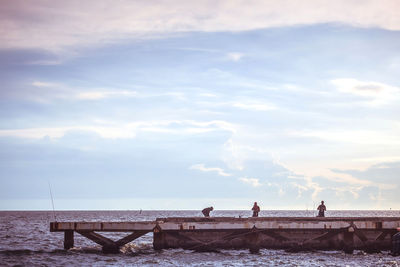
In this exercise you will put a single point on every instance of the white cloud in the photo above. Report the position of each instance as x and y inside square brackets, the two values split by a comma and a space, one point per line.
[202, 168]
[384, 159]
[232, 155]
[252, 181]
[37, 133]
[95, 95]
[44, 91]
[208, 95]
[378, 199]
[124, 130]
[278, 186]
[45, 62]
[300, 188]
[245, 104]
[44, 84]
[362, 137]
[377, 93]
[254, 106]
[61, 25]
[235, 56]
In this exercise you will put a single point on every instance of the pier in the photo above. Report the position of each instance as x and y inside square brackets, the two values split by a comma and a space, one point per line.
[371, 234]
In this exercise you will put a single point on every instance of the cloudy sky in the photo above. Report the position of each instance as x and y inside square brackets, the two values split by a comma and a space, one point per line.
[185, 104]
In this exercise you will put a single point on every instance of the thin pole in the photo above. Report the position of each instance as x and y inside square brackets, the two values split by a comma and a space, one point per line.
[313, 208]
[52, 203]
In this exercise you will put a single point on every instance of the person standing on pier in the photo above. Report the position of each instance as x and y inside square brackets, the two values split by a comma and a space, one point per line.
[321, 209]
[206, 211]
[255, 209]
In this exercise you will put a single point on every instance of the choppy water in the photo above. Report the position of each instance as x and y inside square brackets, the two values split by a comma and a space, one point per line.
[25, 240]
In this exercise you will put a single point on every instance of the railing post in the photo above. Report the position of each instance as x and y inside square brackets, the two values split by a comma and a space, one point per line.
[68, 239]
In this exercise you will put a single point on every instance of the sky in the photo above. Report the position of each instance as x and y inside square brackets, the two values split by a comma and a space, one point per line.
[186, 104]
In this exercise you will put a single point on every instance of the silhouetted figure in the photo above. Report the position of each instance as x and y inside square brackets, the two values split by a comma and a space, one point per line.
[206, 211]
[321, 209]
[255, 209]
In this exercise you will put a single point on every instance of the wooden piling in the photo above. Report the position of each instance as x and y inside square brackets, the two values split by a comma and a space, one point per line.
[68, 239]
[348, 238]
[252, 240]
[158, 238]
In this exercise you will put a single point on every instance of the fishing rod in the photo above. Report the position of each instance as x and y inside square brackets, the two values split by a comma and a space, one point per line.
[52, 202]
[313, 208]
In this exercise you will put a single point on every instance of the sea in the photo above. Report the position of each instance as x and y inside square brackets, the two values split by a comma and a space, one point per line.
[25, 240]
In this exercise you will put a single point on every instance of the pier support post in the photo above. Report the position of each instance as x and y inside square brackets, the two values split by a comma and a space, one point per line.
[348, 237]
[252, 240]
[158, 238]
[68, 239]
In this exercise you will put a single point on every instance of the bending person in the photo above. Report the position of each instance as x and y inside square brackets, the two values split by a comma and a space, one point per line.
[206, 211]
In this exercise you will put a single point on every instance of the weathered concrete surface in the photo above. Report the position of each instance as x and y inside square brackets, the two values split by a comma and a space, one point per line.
[187, 223]
[102, 226]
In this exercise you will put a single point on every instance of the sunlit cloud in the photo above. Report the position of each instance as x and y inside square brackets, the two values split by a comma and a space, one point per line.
[208, 95]
[38, 133]
[93, 95]
[232, 155]
[44, 84]
[300, 188]
[245, 104]
[254, 106]
[201, 167]
[111, 130]
[48, 91]
[366, 137]
[45, 62]
[251, 181]
[377, 198]
[378, 93]
[381, 159]
[235, 56]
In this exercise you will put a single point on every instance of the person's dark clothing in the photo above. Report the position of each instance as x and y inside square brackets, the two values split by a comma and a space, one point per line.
[206, 211]
[256, 210]
[321, 210]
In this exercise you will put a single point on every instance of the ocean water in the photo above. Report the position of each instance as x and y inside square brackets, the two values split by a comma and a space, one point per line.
[25, 240]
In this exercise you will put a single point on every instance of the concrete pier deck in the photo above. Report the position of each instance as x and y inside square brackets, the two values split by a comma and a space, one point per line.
[199, 233]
